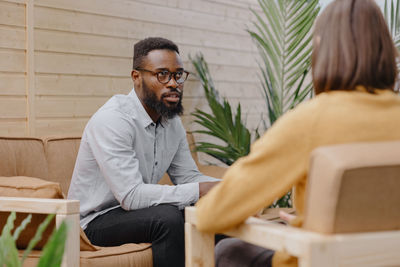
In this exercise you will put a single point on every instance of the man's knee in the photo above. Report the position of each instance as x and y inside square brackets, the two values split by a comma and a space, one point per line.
[171, 218]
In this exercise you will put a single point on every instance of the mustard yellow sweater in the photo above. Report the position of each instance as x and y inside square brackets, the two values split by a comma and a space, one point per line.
[280, 159]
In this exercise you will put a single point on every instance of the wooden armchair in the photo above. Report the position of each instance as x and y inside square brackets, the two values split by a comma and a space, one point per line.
[67, 210]
[352, 215]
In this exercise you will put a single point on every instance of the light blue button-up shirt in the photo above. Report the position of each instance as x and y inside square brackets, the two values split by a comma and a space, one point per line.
[122, 156]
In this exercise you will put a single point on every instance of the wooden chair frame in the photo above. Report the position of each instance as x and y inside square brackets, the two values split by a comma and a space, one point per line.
[65, 210]
[311, 248]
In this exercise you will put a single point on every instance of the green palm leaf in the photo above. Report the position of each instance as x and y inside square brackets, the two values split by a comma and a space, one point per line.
[392, 17]
[283, 37]
[227, 126]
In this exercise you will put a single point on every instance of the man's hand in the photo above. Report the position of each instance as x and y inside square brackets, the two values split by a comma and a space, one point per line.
[204, 187]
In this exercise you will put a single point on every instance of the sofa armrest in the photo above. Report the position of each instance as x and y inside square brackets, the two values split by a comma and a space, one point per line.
[65, 210]
[311, 248]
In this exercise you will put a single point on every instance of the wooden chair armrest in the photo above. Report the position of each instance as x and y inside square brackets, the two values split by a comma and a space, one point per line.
[65, 210]
[39, 205]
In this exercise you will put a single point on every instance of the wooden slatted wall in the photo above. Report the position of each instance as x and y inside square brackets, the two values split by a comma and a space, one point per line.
[60, 60]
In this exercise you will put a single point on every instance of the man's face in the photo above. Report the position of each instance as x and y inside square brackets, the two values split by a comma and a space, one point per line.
[164, 99]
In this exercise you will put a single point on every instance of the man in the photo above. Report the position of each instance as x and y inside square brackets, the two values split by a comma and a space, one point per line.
[126, 147]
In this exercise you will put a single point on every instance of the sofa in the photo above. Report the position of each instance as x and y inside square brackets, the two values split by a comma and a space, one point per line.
[41, 168]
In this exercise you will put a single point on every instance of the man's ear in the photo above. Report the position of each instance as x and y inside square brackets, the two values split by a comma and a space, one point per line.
[135, 75]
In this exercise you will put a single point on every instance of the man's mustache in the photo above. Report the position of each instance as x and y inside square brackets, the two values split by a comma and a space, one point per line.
[174, 92]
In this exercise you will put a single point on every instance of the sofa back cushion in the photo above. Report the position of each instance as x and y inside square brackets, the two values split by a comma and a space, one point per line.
[22, 157]
[61, 155]
[354, 188]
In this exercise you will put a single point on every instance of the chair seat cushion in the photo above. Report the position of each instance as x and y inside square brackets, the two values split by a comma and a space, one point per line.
[121, 256]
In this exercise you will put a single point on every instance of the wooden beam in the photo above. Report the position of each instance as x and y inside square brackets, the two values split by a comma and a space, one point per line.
[30, 71]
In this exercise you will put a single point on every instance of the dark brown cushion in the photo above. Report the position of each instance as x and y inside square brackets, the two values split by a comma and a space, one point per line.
[22, 186]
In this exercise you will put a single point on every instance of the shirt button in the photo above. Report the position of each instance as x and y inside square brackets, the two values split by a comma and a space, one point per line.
[152, 124]
[156, 163]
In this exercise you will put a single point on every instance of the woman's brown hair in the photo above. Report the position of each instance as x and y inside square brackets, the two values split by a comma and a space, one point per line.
[352, 47]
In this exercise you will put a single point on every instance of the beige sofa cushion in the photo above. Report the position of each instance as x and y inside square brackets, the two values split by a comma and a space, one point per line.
[61, 155]
[354, 188]
[22, 157]
[122, 256]
[21, 186]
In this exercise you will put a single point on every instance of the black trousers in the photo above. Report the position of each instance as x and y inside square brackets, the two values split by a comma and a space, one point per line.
[162, 225]
[233, 252]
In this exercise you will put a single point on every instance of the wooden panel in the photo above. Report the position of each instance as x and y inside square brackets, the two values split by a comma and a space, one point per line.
[72, 42]
[229, 10]
[12, 128]
[12, 60]
[12, 37]
[30, 66]
[237, 3]
[12, 84]
[190, 104]
[84, 48]
[69, 107]
[249, 105]
[81, 64]
[148, 12]
[51, 127]
[12, 14]
[233, 73]
[95, 65]
[15, 1]
[64, 20]
[73, 85]
[12, 107]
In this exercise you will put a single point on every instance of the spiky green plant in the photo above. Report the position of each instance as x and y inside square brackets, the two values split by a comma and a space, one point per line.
[283, 37]
[222, 123]
[392, 17]
[52, 253]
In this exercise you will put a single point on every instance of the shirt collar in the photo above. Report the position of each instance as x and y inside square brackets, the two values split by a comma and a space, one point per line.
[143, 116]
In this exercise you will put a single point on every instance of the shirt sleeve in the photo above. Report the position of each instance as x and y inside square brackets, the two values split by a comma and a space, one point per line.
[110, 137]
[183, 169]
[277, 161]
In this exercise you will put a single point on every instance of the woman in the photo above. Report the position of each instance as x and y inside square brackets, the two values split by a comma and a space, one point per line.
[354, 74]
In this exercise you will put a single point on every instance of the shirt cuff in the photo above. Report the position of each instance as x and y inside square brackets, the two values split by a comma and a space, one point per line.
[192, 192]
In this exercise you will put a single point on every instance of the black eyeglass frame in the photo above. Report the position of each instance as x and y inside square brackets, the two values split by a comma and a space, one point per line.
[157, 73]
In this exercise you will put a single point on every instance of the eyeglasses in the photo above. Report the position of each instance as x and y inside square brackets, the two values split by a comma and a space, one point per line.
[165, 76]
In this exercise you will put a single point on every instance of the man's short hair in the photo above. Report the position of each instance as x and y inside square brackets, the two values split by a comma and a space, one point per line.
[143, 47]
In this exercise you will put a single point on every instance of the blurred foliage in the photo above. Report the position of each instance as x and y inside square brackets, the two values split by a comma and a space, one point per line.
[52, 252]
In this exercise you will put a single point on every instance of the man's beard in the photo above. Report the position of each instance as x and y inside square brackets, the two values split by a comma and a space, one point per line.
[151, 101]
